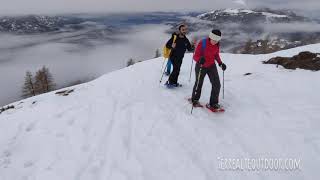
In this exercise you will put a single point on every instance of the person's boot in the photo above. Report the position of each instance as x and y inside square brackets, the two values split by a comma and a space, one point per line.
[194, 103]
[215, 108]
[177, 85]
[169, 85]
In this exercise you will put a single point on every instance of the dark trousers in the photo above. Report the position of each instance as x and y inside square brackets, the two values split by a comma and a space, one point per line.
[176, 62]
[212, 72]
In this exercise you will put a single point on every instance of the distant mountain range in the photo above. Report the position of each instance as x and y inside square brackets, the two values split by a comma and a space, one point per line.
[38, 24]
[277, 29]
[82, 29]
[244, 30]
[251, 16]
[34, 24]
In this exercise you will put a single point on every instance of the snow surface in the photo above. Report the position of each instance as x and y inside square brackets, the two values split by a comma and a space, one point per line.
[124, 126]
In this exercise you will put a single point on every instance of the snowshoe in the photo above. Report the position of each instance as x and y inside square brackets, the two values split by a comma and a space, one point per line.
[177, 85]
[215, 108]
[170, 86]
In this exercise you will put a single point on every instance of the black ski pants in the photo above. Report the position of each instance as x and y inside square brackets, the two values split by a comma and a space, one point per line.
[176, 62]
[212, 72]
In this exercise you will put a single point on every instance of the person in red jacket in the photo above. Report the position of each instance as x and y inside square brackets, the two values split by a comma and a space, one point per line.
[206, 58]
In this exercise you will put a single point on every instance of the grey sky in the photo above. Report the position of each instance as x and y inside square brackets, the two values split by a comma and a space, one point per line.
[304, 5]
[75, 6]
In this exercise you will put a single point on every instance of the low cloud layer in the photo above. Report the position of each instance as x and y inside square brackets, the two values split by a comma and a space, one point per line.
[69, 62]
[291, 27]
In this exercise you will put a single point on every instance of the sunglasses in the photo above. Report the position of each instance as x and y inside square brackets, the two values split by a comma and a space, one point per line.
[184, 29]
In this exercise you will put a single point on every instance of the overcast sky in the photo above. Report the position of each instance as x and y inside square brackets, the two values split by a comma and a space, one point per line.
[78, 6]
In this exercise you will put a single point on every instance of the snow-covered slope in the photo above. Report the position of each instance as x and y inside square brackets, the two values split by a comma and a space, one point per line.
[125, 126]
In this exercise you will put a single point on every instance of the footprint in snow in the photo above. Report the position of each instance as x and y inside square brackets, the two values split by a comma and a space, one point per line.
[30, 127]
[59, 135]
[28, 164]
[6, 153]
[5, 159]
[70, 122]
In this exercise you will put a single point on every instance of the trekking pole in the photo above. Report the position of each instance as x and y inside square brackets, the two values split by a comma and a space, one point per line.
[223, 85]
[164, 60]
[196, 90]
[163, 73]
[191, 69]
[191, 65]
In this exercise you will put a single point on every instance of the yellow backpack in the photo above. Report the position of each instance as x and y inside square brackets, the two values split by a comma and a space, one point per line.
[167, 51]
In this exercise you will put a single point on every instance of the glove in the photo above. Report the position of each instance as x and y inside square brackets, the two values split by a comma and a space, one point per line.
[223, 66]
[202, 60]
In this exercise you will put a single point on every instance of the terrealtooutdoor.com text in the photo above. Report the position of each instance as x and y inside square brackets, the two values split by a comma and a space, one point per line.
[259, 164]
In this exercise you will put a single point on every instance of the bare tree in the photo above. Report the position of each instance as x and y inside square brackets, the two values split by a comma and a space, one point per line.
[158, 54]
[44, 81]
[130, 62]
[29, 86]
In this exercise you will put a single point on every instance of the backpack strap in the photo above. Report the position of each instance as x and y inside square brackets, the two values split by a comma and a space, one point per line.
[204, 44]
[174, 38]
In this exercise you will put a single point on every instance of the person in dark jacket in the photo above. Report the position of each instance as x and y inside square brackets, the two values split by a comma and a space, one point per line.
[178, 49]
[206, 59]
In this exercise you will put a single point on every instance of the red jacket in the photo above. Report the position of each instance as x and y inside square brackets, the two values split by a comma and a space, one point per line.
[211, 53]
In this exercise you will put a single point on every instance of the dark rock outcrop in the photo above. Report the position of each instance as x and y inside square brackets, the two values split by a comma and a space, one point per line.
[3, 109]
[304, 60]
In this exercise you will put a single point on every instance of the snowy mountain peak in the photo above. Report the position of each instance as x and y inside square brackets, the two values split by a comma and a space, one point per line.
[237, 11]
[240, 11]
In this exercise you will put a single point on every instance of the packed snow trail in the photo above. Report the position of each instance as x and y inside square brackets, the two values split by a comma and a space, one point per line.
[125, 126]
